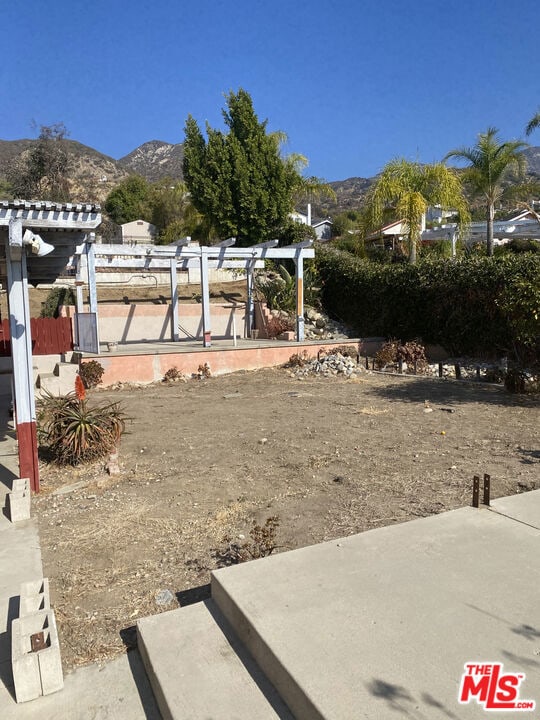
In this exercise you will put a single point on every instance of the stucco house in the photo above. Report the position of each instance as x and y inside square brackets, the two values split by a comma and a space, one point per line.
[138, 232]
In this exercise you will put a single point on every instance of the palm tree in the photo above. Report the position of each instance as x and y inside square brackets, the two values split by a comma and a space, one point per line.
[491, 162]
[410, 188]
[533, 124]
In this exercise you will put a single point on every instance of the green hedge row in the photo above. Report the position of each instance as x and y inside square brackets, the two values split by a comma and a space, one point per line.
[458, 304]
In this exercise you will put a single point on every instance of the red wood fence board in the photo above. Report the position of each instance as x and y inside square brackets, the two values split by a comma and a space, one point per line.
[50, 336]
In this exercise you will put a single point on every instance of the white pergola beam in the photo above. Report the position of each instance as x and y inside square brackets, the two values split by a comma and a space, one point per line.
[165, 264]
[50, 216]
[212, 252]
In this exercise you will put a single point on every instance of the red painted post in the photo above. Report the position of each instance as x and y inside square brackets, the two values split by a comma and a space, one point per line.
[21, 352]
[28, 454]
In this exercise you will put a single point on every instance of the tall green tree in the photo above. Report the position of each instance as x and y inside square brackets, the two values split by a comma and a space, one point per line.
[129, 200]
[410, 188]
[534, 123]
[491, 163]
[42, 172]
[172, 211]
[238, 179]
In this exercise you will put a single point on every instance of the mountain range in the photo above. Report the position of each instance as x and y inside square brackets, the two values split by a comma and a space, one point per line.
[93, 175]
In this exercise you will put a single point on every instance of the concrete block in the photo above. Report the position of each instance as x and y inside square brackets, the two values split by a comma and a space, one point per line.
[37, 672]
[21, 485]
[66, 371]
[34, 596]
[18, 505]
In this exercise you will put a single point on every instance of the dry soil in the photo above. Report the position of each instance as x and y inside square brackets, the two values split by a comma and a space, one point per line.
[204, 459]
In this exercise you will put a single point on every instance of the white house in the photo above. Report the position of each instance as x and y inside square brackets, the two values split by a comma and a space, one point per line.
[323, 228]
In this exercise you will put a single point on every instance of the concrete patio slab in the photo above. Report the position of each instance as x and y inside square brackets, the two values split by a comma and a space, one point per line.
[380, 625]
[523, 508]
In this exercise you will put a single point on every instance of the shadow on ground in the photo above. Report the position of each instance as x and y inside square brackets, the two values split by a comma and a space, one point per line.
[449, 392]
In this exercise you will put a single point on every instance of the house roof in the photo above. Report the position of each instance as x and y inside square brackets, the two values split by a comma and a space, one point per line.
[397, 225]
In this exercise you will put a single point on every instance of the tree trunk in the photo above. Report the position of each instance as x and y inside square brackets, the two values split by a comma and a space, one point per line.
[489, 236]
[412, 249]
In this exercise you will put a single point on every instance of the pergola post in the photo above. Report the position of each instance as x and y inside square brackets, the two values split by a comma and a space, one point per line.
[21, 353]
[79, 282]
[250, 303]
[174, 302]
[205, 299]
[92, 289]
[299, 262]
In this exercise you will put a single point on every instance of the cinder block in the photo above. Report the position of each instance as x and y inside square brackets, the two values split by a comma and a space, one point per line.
[36, 672]
[21, 485]
[18, 505]
[35, 596]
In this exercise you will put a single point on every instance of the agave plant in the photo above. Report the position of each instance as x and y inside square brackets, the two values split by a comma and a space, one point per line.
[76, 432]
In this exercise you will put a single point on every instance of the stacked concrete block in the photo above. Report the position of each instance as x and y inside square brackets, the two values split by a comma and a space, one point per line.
[35, 649]
[34, 597]
[18, 500]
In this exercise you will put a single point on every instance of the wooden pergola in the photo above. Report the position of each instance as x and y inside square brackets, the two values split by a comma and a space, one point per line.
[29, 231]
[90, 256]
[39, 240]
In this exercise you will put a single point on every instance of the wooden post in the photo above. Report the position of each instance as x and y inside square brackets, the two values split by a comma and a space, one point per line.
[205, 299]
[299, 262]
[174, 302]
[21, 353]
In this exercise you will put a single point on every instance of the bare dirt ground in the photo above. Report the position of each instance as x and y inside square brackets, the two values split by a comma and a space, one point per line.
[205, 458]
[219, 292]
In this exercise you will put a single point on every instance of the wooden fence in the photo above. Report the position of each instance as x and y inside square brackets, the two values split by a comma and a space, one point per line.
[50, 336]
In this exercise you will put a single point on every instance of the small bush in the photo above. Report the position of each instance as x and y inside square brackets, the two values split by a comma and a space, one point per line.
[203, 372]
[57, 296]
[387, 355]
[262, 543]
[346, 351]
[76, 433]
[412, 353]
[277, 325]
[173, 375]
[298, 360]
[91, 373]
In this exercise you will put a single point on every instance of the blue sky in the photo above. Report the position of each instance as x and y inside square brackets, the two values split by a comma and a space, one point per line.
[353, 84]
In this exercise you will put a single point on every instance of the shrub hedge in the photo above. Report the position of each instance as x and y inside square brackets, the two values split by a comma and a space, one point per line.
[460, 304]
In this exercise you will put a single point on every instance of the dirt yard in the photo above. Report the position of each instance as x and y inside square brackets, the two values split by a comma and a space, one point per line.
[142, 294]
[203, 459]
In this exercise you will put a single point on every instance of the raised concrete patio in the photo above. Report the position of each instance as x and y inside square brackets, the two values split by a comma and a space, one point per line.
[148, 362]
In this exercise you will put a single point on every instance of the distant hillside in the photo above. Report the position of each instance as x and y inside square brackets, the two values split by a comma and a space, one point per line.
[93, 175]
[533, 160]
[350, 195]
[155, 160]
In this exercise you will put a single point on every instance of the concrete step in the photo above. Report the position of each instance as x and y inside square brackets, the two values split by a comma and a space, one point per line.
[66, 371]
[59, 382]
[198, 669]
